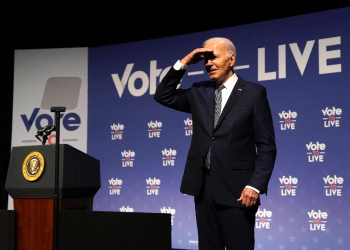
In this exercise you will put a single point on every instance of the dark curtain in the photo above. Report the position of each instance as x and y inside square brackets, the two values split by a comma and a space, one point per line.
[6, 96]
[6, 99]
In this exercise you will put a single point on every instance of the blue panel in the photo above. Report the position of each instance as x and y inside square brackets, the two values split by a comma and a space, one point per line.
[303, 62]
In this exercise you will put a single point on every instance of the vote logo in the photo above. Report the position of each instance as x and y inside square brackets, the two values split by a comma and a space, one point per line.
[169, 156]
[331, 117]
[333, 185]
[117, 131]
[38, 120]
[287, 120]
[315, 151]
[154, 128]
[126, 209]
[317, 220]
[188, 127]
[153, 186]
[128, 158]
[114, 186]
[263, 219]
[288, 186]
[148, 79]
[169, 210]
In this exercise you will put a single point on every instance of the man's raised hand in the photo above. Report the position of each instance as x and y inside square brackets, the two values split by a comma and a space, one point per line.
[195, 56]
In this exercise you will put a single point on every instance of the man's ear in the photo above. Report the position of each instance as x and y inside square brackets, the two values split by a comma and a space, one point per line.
[233, 60]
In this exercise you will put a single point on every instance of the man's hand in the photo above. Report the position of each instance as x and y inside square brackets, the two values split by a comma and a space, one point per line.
[248, 197]
[195, 56]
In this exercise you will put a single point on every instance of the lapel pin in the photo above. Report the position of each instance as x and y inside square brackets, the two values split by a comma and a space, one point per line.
[240, 89]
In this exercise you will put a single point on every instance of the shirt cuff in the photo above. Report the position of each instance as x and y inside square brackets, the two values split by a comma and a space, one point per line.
[256, 190]
[178, 65]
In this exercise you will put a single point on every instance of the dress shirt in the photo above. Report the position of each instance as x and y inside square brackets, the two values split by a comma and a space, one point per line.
[227, 90]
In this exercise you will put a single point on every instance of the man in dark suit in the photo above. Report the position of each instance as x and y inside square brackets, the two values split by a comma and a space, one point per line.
[233, 150]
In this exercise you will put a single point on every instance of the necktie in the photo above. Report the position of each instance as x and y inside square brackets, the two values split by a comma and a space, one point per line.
[218, 100]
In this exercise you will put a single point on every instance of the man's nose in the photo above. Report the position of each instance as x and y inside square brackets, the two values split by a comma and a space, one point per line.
[208, 62]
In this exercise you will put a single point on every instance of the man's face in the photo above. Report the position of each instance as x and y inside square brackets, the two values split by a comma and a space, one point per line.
[217, 64]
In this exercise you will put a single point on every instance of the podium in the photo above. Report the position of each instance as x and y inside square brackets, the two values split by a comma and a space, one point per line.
[30, 182]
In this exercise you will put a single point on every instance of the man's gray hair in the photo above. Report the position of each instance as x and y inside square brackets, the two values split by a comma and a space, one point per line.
[230, 47]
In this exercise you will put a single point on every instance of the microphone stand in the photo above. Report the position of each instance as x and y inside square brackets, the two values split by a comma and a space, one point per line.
[57, 110]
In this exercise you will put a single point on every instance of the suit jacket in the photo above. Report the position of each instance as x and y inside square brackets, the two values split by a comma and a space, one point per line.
[243, 148]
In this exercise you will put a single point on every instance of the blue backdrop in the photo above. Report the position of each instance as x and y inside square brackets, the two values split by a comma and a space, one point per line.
[303, 62]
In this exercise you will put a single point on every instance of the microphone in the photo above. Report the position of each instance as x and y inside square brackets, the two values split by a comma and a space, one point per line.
[45, 131]
[49, 129]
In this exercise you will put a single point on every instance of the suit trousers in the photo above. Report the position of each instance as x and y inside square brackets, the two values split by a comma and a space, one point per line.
[221, 226]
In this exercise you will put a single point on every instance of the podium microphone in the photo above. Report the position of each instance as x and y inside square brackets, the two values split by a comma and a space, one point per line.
[49, 129]
[45, 131]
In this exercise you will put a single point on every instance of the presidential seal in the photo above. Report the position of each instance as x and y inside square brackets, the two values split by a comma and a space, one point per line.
[33, 166]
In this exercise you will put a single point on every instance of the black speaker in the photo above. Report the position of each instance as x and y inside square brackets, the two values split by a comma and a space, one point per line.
[83, 230]
[7, 229]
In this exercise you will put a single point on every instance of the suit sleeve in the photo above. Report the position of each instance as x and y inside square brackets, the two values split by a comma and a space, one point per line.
[265, 143]
[167, 94]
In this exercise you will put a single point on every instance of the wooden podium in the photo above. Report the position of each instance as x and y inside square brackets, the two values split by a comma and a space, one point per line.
[79, 180]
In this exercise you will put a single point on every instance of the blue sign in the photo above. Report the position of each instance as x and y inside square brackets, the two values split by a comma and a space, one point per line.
[303, 62]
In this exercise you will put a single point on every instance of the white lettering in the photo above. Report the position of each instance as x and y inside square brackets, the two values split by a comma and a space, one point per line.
[127, 164]
[128, 153]
[115, 181]
[315, 158]
[117, 126]
[282, 61]
[285, 126]
[126, 209]
[333, 111]
[114, 191]
[317, 215]
[117, 136]
[260, 224]
[169, 210]
[120, 84]
[168, 163]
[154, 73]
[146, 82]
[153, 134]
[317, 146]
[188, 122]
[302, 58]
[333, 180]
[131, 83]
[328, 124]
[288, 180]
[262, 74]
[153, 181]
[152, 192]
[263, 213]
[155, 124]
[333, 192]
[288, 115]
[169, 152]
[188, 132]
[321, 227]
[325, 54]
[285, 192]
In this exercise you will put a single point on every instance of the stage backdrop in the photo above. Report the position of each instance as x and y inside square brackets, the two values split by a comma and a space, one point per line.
[303, 62]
